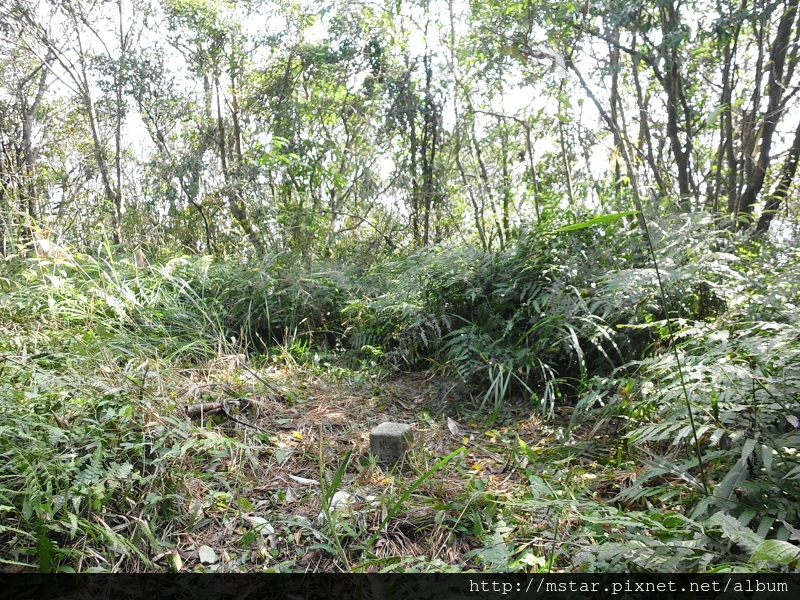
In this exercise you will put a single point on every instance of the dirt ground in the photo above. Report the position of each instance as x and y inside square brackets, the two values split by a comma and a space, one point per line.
[271, 516]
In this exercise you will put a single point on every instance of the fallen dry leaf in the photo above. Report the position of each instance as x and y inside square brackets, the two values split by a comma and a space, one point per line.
[207, 555]
[452, 426]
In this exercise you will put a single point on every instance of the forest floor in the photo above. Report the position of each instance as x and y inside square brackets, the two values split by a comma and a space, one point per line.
[292, 466]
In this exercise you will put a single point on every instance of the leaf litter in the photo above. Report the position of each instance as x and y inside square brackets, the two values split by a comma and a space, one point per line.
[314, 421]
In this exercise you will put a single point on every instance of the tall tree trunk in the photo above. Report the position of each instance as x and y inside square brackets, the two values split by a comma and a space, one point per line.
[673, 86]
[118, 118]
[429, 140]
[484, 175]
[410, 121]
[506, 179]
[532, 169]
[476, 208]
[645, 141]
[788, 171]
[113, 196]
[615, 103]
[725, 183]
[775, 91]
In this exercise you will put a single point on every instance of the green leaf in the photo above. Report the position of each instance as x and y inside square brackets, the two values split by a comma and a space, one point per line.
[712, 117]
[45, 551]
[776, 551]
[767, 457]
[495, 553]
[595, 221]
[322, 546]
[733, 530]
[249, 537]
[747, 449]
[327, 493]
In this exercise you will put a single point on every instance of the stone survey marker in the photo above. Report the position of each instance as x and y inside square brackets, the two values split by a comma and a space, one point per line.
[389, 441]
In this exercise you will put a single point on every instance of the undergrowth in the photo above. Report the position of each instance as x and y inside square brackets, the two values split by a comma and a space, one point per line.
[101, 470]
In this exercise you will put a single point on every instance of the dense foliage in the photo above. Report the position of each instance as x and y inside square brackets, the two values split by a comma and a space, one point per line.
[351, 130]
[559, 238]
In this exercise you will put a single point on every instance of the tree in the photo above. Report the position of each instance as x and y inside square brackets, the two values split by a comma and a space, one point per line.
[213, 44]
[28, 79]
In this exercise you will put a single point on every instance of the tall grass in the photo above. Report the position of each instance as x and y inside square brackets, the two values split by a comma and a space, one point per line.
[90, 456]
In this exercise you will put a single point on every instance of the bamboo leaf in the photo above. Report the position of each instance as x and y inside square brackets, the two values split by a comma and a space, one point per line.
[602, 219]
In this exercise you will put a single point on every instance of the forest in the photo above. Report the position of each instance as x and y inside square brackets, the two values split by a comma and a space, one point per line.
[558, 239]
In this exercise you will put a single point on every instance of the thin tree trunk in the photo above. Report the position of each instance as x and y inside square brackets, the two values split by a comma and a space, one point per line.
[506, 218]
[112, 195]
[411, 123]
[614, 99]
[637, 201]
[235, 203]
[726, 159]
[484, 174]
[563, 144]
[532, 170]
[28, 151]
[645, 135]
[119, 115]
[429, 141]
[478, 210]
